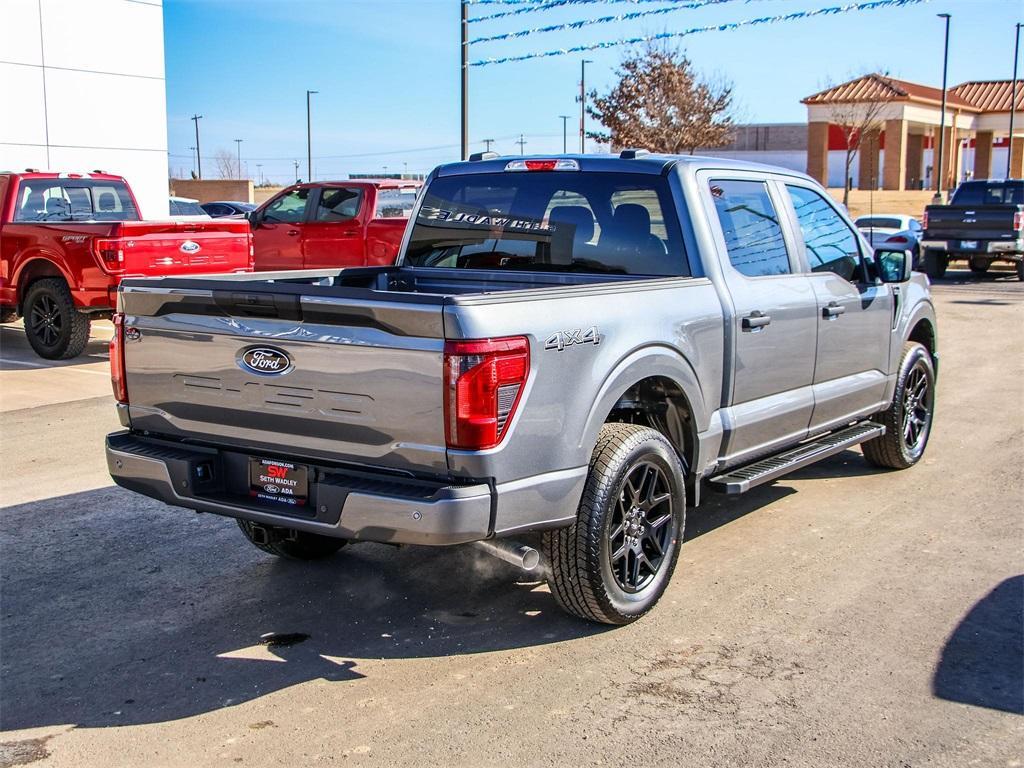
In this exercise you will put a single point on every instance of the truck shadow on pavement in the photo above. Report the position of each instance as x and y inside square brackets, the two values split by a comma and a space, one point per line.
[17, 355]
[119, 610]
[981, 663]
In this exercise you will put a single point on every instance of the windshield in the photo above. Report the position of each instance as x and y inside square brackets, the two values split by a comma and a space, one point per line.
[395, 203]
[879, 223]
[989, 193]
[549, 221]
[74, 200]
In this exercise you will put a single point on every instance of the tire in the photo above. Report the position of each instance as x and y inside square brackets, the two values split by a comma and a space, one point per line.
[980, 267]
[55, 329]
[8, 314]
[935, 264]
[298, 546]
[1020, 270]
[902, 445]
[634, 472]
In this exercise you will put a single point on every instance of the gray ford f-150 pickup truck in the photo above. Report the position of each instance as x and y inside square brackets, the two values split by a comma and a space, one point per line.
[567, 351]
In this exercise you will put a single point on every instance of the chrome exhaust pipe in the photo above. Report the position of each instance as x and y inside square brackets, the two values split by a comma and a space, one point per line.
[512, 552]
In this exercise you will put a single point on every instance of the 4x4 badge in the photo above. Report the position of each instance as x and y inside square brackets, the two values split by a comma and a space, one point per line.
[559, 340]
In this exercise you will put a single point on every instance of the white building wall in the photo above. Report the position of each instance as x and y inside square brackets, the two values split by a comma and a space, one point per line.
[84, 84]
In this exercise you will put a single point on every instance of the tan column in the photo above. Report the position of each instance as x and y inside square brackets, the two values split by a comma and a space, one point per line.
[915, 158]
[894, 174]
[956, 160]
[817, 152]
[1017, 157]
[983, 154]
[869, 172]
[946, 154]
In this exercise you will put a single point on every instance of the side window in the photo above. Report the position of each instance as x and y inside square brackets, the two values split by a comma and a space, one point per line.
[831, 245]
[338, 204]
[753, 236]
[290, 208]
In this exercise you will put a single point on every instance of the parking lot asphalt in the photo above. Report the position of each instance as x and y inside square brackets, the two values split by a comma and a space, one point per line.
[840, 616]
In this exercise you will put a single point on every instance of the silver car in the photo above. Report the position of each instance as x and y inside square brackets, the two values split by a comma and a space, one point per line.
[892, 230]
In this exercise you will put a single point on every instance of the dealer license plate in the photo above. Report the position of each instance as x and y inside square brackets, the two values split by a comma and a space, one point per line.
[968, 245]
[278, 481]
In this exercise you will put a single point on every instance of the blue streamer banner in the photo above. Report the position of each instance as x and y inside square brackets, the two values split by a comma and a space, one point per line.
[529, 6]
[600, 20]
[830, 11]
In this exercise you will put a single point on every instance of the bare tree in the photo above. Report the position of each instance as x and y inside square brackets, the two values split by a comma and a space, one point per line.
[855, 119]
[227, 165]
[660, 103]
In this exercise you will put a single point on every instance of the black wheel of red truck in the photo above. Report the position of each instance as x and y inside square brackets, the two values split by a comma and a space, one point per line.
[935, 264]
[614, 563]
[980, 266]
[291, 545]
[55, 329]
[908, 419]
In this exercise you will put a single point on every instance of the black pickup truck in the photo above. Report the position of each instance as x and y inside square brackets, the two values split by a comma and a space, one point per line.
[983, 223]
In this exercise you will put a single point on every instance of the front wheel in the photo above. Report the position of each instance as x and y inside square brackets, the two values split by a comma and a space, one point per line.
[1020, 270]
[615, 561]
[908, 419]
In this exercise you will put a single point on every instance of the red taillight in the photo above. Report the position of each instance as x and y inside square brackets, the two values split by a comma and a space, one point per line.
[118, 380]
[111, 252]
[1018, 221]
[483, 381]
[897, 239]
[924, 221]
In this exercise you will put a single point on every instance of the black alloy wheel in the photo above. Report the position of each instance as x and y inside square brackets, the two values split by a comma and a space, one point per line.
[641, 527]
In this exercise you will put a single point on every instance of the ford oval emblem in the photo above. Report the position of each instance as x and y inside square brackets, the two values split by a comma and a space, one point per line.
[266, 361]
[189, 246]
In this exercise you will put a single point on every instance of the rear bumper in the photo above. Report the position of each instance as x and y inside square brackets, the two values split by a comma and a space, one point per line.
[994, 248]
[344, 504]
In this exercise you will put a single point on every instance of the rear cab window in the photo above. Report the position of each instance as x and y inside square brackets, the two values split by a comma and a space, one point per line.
[556, 221]
[989, 193]
[395, 203]
[56, 200]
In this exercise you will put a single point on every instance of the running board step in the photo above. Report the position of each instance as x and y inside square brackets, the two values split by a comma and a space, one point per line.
[744, 478]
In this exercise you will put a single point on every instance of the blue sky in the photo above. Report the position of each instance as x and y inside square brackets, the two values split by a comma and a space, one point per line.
[388, 71]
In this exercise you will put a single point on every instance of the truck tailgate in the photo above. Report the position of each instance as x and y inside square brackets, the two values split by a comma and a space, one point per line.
[964, 222]
[185, 247]
[334, 379]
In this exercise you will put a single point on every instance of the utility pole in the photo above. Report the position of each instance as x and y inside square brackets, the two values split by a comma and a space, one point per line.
[939, 196]
[405, 169]
[296, 162]
[565, 133]
[1013, 99]
[199, 159]
[521, 143]
[488, 142]
[309, 138]
[192, 151]
[583, 103]
[238, 143]
[464, 49]
[259, 171]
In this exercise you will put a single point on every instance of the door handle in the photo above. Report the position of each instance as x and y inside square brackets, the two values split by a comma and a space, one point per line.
[832, 311]
[293, 232]
[755, 320]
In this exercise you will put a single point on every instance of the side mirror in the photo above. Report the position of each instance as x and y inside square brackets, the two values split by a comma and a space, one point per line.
[893, 266]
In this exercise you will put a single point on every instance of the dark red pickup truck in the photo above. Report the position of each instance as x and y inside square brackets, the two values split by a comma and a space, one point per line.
[333, 224]
[67, 241]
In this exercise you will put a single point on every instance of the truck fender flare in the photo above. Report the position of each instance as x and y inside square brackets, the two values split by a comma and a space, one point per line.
[29, 261]
[643, 363]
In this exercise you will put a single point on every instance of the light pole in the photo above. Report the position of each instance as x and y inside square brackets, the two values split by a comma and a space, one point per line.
[238, 144]
[939, 196]
[192, 150]
[259, 172]
[583, 103]
[488, 142]
[296, 162]
[199, 159]
[565, 133]
[1013, 98]
[464, 51]
[309, 138]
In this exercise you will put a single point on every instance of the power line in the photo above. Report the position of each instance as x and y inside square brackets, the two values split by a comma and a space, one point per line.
[832, 10]
[632, 15]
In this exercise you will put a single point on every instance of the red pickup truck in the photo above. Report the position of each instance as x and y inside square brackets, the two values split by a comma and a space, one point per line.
[333, 224]
[67, 240]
